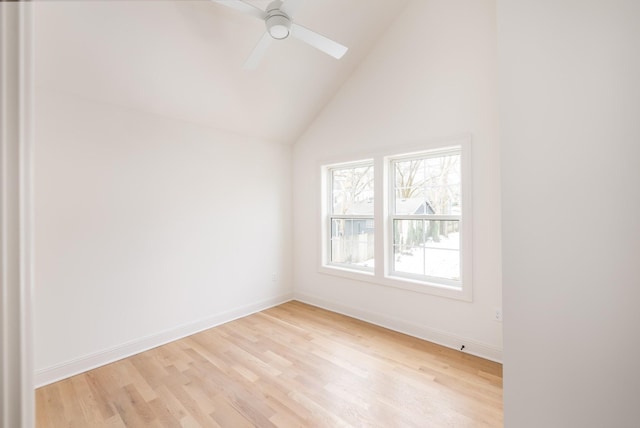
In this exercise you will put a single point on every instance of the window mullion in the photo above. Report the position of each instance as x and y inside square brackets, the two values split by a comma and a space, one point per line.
[351, 216]
[380, 201]
[426, 217]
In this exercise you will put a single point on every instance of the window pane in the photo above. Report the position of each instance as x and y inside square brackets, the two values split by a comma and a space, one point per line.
[352, 242]
[352, 190]
[430, 185]
[427, 247]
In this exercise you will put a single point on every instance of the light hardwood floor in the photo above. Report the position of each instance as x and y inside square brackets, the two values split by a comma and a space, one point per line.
[294, 365]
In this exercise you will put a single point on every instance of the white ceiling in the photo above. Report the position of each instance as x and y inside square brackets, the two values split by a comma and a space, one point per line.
[183, 59]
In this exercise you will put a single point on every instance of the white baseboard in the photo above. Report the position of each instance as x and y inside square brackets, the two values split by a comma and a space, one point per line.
[82, 364]
[439, 337]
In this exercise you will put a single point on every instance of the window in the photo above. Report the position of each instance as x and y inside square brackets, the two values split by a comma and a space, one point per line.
[350, 219]
[401, 219]
[425, 215]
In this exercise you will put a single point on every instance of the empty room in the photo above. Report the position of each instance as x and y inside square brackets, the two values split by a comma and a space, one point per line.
[319, 213]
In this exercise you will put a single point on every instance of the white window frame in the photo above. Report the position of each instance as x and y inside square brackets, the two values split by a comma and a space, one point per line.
[329, 216]
[382, 273]
[392, 217]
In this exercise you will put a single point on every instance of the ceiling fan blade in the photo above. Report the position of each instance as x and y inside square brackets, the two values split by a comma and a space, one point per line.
[258, 52]
[244, 7]
[291, 6]
[318, 41]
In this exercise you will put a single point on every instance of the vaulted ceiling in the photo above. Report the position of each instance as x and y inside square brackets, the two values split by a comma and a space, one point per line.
[183, 59]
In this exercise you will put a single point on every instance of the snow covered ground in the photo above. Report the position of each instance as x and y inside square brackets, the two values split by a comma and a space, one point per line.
[437, 259]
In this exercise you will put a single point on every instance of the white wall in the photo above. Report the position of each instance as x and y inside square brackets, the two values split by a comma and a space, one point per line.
[432, 75]
[149, 228]
[570, 109]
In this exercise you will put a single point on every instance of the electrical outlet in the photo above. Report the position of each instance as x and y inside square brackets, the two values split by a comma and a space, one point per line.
[273, 277]
[497, 315]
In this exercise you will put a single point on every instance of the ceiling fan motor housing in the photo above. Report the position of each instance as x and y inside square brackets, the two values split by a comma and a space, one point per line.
[278, 23]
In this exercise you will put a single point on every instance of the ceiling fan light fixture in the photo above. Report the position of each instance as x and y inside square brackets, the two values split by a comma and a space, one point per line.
[278, 26]
[276, 18]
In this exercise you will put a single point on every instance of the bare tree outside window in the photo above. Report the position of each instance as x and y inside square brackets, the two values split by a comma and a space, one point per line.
[353, 190]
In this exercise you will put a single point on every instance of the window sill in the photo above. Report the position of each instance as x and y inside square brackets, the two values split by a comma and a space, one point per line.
[345, 272]
[406, 284]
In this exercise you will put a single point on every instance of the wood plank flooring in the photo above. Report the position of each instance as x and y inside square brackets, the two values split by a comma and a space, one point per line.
[294, 365]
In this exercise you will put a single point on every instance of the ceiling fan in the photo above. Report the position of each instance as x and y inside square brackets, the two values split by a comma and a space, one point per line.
[277, 19]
